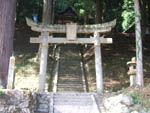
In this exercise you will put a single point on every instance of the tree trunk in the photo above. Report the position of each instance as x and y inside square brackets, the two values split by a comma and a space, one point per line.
[106, 6]
[85, 19]
[47, 11]
[98, 11]
[148, 12]
[53, 10]
[7, 21]
[46, 19]
[139, 56]
[143, 12]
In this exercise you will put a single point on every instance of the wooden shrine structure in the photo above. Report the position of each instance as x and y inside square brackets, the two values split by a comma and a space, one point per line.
[68, 15]
[71, 31]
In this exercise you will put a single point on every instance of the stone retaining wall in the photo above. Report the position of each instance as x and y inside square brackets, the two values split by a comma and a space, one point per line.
[43, 100]
[17, 101]
[14, 101]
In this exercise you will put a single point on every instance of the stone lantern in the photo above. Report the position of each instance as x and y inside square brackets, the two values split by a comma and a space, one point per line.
[132, 71]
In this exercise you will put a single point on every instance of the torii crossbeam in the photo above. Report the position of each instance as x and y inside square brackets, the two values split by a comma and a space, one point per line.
[71, 31]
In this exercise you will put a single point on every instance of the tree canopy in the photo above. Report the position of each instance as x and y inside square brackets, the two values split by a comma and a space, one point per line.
[122, 10]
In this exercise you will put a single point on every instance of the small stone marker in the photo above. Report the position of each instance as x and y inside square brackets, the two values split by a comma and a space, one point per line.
[10, 83]
[132, 71]
[71, 31]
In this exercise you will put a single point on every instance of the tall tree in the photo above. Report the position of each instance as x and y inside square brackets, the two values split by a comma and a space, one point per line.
[47, 11]
[143, 17]
[98, 11]
[46, 18]
[139, 55]
[148, 12]
[7, 21]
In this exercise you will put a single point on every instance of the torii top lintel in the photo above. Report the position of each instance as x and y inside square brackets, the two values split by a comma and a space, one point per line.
[85, 29]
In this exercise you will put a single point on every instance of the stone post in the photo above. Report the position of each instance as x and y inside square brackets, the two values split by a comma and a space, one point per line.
[98, 63]
[132, 71]
[10, 82]
[43, 61]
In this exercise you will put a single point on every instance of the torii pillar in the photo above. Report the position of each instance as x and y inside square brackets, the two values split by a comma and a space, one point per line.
[43, 61]
[98, 60]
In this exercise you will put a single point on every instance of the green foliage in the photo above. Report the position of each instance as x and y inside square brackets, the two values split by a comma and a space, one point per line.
[63, 4]
[81, 7]
[1, 92]
[136, 98]
[128, 14]
[27, 8]
[87, 5]
[123, 11]
[112, 9]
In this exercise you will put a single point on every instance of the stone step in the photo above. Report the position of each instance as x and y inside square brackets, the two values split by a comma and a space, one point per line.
[70, 54]
[73, 103]
[69, 85]
[72, 82]
[70, 46]
[74, 109]
[68, 59]
[70, 76]
[70, 89]
[81, 97]
[66, 94]
[70, 68]
[72, 99]
[69, 72]
[65, 78]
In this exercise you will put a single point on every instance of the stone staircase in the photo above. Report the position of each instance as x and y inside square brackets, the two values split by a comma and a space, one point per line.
[66, 102]
[70, 95]
[74, 103]
[70, 74]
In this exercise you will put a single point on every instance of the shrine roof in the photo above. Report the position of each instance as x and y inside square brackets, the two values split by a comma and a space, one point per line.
[68, 12]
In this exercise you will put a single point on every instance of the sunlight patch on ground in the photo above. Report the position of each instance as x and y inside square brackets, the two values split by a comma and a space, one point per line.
[31, 82]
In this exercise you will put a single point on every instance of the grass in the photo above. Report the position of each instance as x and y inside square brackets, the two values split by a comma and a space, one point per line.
[140, 95]
[1, 92]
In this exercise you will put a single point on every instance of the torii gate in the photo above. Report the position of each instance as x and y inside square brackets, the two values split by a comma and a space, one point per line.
[71, 31]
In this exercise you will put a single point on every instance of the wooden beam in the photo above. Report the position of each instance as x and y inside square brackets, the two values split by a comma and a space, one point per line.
[106, 40]
[35, 40]
[59, 40]
[65, 41]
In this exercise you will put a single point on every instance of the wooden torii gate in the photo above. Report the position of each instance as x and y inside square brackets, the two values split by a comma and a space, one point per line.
[71, 31]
